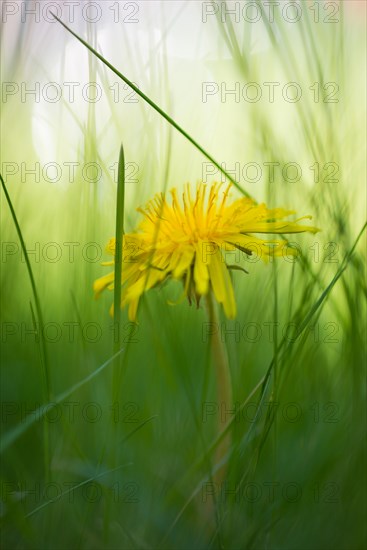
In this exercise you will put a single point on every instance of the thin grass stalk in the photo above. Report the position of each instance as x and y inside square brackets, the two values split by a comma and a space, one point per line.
[117, 366]
[41, 341]
[120, 207]
[156, 108]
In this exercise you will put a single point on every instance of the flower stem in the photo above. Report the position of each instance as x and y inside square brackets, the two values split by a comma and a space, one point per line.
[224, 386]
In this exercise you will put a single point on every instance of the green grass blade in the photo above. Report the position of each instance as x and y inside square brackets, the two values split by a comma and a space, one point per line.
[130, 434]
[41, 340]
[72, 489]
[120, 207]
[156, 108]
[11, 436]
[43, 353]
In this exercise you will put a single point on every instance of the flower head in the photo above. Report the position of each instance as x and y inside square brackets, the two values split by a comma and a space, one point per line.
[188, 239]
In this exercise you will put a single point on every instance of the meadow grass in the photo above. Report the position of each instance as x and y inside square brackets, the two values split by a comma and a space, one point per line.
[120, 449]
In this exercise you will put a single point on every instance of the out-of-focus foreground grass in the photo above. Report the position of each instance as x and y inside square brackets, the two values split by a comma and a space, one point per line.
[92, 471]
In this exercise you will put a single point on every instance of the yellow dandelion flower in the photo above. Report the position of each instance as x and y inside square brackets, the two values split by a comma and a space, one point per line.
[188, 240]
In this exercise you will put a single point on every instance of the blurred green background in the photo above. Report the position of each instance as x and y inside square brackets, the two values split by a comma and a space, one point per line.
[131, 466]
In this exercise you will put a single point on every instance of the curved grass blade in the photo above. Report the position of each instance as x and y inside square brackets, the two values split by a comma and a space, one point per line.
[41, 341]
[86, 481]
[139, 427]
[16, 432]
[120, 208]
[156, 108]
[43, 354]
[72, 489]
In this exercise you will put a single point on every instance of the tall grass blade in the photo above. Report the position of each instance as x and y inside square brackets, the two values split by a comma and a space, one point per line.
[156, 108]
[42, 343]
[120, 207]
[37, 318]
[11, 436]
